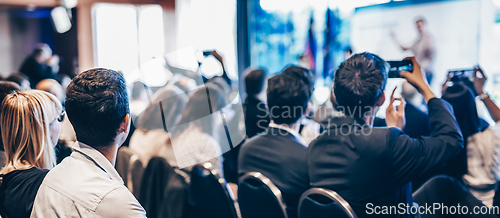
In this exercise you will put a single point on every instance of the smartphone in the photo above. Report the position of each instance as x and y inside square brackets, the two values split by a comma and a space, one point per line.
[464, 75]
[461, 75]
[207, 53]
[396, 67]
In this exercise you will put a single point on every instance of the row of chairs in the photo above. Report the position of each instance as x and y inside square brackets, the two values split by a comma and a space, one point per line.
[259, 197]
[209, 195]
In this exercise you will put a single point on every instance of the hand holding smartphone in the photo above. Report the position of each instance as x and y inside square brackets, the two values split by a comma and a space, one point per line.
[396, 67]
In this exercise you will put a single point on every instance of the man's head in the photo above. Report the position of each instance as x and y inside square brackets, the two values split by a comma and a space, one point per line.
[42, 52]
[21, 79]
[303, 74]
[53, 87]
[287, 98]
[420, 24]
[255, 81]
[97, 106]
[359, 84]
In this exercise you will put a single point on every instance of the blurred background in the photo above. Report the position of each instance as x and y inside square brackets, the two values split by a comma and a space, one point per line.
[152, 40]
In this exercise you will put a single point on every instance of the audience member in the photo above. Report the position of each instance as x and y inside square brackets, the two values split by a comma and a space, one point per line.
[41, 64]
[280, 152]
[21, 79]
[53, 87]
[86, 184]
[479, 163]
[6, 87]
[151, 138]
[193, 138]
[30, 128]
[68, 135]
[256, 115]
[375, 166]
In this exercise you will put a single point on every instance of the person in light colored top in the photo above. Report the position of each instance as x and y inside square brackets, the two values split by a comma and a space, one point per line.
[86, 184]
[194, 136]
[482, 143]
[424, 48]
[151, 138]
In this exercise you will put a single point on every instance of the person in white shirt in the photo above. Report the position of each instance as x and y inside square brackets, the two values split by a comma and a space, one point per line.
[423, 49]
[86, 184]
[482, 143]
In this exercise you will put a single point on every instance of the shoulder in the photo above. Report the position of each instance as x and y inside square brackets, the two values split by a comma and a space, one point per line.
[79, 181]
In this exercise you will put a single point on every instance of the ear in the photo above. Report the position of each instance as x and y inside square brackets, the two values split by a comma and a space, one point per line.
[125, 125]
[380, 100]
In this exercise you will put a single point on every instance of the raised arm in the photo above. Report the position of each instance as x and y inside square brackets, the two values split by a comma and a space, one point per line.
[414, 157]
[479, 82]
[393, 36]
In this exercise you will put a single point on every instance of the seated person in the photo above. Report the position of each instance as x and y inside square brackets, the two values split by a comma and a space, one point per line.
[86, 184]
[479, 163]
[193, 138]
[30, 127]
[367, 165]
[6, 88]
[21, 79]
[256, 116]
[280, 152]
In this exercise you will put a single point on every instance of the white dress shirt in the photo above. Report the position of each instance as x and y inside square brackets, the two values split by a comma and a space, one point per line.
[85, 185]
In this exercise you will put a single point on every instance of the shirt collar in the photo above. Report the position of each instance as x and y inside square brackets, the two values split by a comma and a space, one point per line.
[291, 131]
[98, 159]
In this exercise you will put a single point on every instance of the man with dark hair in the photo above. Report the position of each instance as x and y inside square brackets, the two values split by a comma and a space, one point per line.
[86, 184]
[41, 64]
[373, 167]
[21, 79]
[279, 153]
[256, 116]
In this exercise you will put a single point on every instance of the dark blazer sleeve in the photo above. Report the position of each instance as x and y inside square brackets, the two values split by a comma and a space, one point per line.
[414, 157]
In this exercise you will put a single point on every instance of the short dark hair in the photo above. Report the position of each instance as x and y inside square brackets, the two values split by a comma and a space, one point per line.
[255, 80]
[18, 78]
[359, 82]
[96, 104]
[6, 87]
[302, 74]
[287, 98]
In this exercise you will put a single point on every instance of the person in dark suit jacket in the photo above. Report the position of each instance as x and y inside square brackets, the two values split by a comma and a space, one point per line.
[40, 65]
[372, 167]
[256, 115]
[280, 153]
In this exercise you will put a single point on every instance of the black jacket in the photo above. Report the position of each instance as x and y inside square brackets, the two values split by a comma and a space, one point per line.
[279, 156]
[18, 191]
[163, 193]
[375, 165]
[36, 71]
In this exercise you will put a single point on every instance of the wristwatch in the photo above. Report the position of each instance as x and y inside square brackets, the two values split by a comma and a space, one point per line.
[483, 96]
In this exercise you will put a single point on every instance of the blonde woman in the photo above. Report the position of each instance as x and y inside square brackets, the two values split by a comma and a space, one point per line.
[30, 128]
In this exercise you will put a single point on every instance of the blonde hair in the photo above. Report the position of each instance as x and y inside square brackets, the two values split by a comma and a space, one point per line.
[25, 118]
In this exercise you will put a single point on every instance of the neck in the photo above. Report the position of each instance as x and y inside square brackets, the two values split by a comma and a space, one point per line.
[110, 153]
[294, 126]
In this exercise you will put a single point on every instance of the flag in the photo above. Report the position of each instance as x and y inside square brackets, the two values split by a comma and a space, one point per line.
[331, 45]
[310, 50]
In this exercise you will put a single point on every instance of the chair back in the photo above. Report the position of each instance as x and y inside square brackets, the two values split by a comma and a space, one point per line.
[122, 162]
[134, 175]
[258, 197]
[319, 203]
[209, 193]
